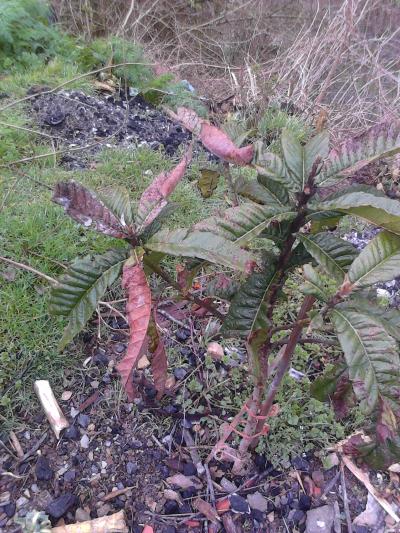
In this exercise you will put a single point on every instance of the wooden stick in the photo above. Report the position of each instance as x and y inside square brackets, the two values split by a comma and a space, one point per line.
[52, 410]
[345, 500]
[114, 523]
[16, 444]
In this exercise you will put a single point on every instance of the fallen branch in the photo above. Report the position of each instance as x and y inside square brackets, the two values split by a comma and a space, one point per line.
[114, 523]
[29, 269]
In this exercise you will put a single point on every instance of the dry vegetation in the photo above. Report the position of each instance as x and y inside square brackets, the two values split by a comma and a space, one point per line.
[335, 56]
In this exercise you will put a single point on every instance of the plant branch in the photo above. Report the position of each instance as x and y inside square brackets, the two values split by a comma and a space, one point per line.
[166, 277]
[29, 269]
[306, 340]
[286, 358]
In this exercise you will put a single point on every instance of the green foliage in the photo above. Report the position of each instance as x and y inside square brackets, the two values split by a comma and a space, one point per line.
[114, 51]
[275, 120]
[26, 33]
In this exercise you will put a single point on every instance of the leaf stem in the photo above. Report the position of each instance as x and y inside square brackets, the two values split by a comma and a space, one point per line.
[166, 277]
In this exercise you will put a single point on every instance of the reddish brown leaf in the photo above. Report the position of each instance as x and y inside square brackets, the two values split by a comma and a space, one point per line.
[153, 199]
[206, 509]
[222, 146]
[386, 426]
[138, 311]
[343, 398]
[214, 139]
[84, 207]
[223, 505]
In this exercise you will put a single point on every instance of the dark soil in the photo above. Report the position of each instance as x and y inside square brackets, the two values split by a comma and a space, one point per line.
[77, 120]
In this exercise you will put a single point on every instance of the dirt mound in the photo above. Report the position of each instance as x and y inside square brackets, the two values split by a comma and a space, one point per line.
[77, 120]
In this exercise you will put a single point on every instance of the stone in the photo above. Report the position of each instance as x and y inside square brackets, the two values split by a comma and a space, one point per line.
[85, 442]
[239, 504]
[69, 476]
[21, 502]
[81, 515]
[320, 520]
[43, 470]
[119, 347]
[180, 373]
[103, 510]
[10, 509]
[83, 420]
[72, 433]
[304, 502]
[296, 516]
[100, 357]
[215, 351]
[258, 501]
[171, 507]
[131, 468]
[372, 516]
[182, 334]
[299, 463]
[189, 469]
[61, 505]
[227, 485]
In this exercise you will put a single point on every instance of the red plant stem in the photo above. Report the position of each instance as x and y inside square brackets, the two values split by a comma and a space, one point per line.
[284, 363]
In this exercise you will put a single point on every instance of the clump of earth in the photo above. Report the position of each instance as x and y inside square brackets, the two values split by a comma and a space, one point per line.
[84, 124]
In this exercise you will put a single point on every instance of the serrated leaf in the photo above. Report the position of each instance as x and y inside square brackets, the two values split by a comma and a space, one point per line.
[331, 253]
[222, 286]
[314, 284]
[237, 131]
[378, 210]
[158, 222]
[208, 181]
[243, 223]
[382, 140]
[379, 261]
[247, 311]
[87, 208]
[154, 198]
[138, 310]
[201, 245]
[81, 287]
[371, 356]
[277, 231]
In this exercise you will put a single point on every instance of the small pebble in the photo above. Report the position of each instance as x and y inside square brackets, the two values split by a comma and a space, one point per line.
[83, 420]
[9, 509]
[180, 373]
[304, 502]
[171, 507]
[85, 442]
[34, 488]
[69, 476]
[21, 502]
[189, 469]
[182, 334]
[72, 433]
[81, 515]
[239, 504]
[43, 470]
[131, 468]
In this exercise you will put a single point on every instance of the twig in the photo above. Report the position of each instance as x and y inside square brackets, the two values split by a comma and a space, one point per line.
[34, 448]
[345, 500]
[29, 269]
[170, 317]
[7, 450]
[193, 452]
[210, 485]
[16, 444]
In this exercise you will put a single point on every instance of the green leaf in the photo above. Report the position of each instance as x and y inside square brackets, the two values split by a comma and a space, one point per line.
[293, 154]
[81, 287]
[316, 147]
[331, 253]
[208, 181]
[269, 164]
[243, 223]
[323, 221]
[382, 140]
[118, 202]
[247, 311]
[202, 245]
[371, 356]
[388, 318]
[379, 261]
[237, 131]
[378, 210]
[324, 386]
[276, 189]
[263, 191]
[277, 231]
[314, 284]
